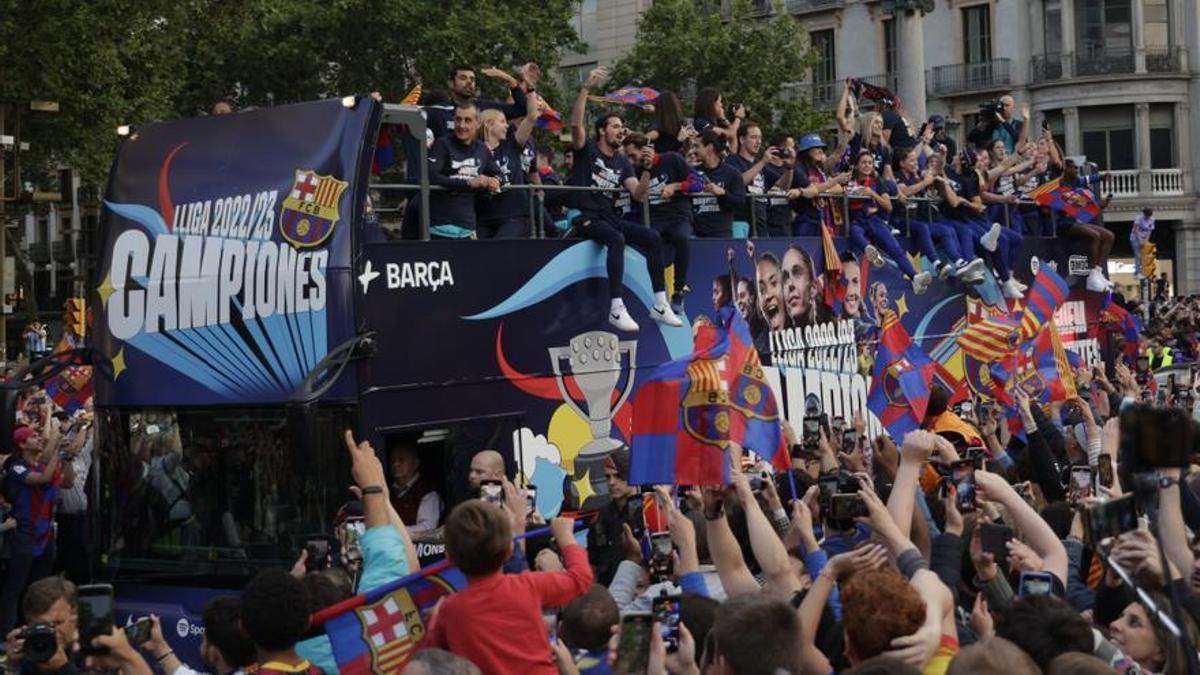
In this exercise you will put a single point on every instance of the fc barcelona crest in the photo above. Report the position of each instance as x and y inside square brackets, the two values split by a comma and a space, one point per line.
[310, 210]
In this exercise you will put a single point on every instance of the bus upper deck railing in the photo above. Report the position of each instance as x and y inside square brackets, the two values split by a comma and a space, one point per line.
[537, 209]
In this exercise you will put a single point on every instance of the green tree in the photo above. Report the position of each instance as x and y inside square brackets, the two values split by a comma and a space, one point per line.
[683, 45]
[112, 62]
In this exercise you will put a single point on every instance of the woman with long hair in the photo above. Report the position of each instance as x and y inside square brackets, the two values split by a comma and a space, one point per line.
[668, 132]
[924, 221]
[869, 230]
[810, 182]
[710, 114]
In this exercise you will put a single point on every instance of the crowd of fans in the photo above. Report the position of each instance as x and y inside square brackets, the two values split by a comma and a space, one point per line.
[1062, 543]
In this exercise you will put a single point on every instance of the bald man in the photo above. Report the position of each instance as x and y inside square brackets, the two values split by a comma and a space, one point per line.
[485, 465]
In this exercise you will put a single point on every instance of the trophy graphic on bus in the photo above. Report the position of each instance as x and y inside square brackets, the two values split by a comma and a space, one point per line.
[595, 362]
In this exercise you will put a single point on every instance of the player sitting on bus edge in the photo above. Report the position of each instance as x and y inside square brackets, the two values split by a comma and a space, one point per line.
[600, 163]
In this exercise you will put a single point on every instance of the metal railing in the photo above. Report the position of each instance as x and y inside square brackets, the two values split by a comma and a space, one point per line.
[1164, 60]
[1046, 67]
[961, 78]
[1097, 60]
[805, 6]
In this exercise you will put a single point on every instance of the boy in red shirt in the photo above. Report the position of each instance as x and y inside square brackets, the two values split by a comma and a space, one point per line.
[496, 622]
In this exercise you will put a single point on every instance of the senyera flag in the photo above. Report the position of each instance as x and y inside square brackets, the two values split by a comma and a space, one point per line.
[378, 630]
[688, 411]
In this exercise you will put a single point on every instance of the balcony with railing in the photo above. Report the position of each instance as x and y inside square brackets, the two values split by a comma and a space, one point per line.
[1046, 67]
[1095, 60]
[808, 6]
[1136, 183]
[1163, 60]
[963, 78]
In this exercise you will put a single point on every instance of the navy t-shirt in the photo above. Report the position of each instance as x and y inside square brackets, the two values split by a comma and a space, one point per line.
[670, 167]
[901, 138]
[713, 215]
[965, 186]
[452, 165]
[593, 168]
[665, 142]
[779, 211]
[511, 169]
[758, 186]
[881, 154]
[808, 211]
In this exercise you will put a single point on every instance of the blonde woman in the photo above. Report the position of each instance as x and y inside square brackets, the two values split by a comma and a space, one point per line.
[506, 215]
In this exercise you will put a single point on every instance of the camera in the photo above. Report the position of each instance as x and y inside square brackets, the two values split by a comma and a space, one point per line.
[41, 642]
[992, 106]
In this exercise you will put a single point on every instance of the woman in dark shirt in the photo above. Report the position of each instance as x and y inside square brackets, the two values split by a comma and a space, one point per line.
[506, 215]
[869, 230]
[809, 183]
[668, 132]
[710, 114]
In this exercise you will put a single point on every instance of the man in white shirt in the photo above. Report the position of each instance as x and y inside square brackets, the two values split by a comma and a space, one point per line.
[415, 497]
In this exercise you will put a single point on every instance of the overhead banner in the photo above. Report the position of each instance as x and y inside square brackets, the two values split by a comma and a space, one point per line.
[225, 264]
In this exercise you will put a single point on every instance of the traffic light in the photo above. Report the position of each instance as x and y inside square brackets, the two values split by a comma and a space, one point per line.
[76, 316]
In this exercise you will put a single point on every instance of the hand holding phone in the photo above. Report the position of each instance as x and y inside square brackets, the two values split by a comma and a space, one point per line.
[1035, 583]
[138, 633]
[666, 613]
[994, 539]
[962, 474]
[492, 492]
[633, 647]
[95, 616]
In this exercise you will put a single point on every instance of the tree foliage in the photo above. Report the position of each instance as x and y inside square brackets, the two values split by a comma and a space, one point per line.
[112, 62]
[683, 45]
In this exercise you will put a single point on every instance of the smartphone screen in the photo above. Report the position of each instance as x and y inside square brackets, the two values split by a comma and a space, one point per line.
[318, 554]
[95, 615]
[994, 539]
[1108, 519]
[1035, 583]
[139, 632]
[1081, 484]
[1105, 468]
[666, 613]
[963, 475]
[849, 440]
[653, 516]
[492, 492]
[633, 648]
[847, 507]
[530, 500]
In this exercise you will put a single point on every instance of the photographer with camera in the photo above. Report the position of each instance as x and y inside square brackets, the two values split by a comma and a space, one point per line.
[996, 121]
[46, 643]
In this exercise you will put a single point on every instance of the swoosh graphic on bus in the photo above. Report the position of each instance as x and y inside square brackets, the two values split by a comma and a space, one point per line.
[585, 260]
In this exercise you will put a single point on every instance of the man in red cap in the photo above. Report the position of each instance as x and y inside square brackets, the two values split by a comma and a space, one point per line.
[32, 478]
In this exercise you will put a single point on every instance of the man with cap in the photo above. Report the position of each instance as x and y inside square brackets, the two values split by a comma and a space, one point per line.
[32, 478]
[809, 182]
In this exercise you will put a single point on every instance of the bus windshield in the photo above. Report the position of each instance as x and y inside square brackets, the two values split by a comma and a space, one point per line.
[210, 496]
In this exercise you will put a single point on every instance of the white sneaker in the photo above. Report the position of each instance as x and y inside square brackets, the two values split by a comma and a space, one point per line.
[991, 239]
[920, 283]
[664, 315]
[621, 320]
[873, 256]
[1096, 281]
[1020, 285]
[972, 272]
[1010, 290]
[945, 271]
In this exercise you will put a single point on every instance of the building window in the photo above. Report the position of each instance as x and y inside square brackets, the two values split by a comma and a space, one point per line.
[889, 47]
[1103, 26]
[1052, 20]
[824, 71]
[1162, 136]
[977, 34]
[1108, 136]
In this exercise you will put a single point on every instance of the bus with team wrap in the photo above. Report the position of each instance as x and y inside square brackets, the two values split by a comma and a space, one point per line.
[248, 308]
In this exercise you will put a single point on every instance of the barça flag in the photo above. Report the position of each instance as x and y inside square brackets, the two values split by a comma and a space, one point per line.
[1130, 325]
[835, 284]
[71, 387]
[903, 377]
[380, 633]
[1050, 377]
[1079, 203]
[1048, 292]
[689, 410]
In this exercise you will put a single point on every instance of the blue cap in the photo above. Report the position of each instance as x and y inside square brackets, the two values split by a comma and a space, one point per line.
[809, 142]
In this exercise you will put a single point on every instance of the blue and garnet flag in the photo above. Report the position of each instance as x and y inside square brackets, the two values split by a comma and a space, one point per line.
[903, 378]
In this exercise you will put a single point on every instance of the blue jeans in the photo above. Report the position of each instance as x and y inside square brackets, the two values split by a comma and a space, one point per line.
[23, 569]
[880, 233]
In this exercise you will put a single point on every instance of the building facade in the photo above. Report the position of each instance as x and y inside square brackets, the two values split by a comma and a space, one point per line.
[1117, 81]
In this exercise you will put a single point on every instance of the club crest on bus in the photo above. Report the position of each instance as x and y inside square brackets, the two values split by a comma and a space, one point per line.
[310, 210]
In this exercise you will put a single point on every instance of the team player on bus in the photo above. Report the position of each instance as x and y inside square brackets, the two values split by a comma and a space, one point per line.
[463, 165]
[599, 163]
